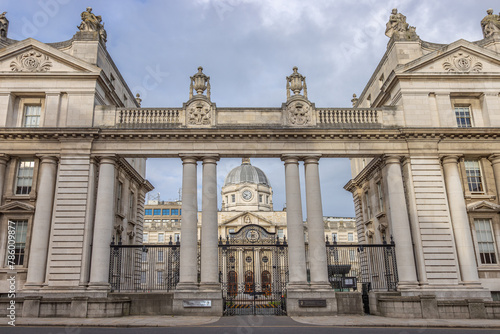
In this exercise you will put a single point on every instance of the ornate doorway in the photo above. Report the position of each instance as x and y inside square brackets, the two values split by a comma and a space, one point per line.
[253, 267]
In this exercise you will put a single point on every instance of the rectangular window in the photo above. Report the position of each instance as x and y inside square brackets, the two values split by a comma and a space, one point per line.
[368, 207]
[261, 199]
[160, 256]
[350, 236]
[148, 212]
[175, 212]
[267, 199]
[131, 202]
[177, 237]
[143, 277]
[119, 197]
[380, 197]
[156, 212]
[230, 230]
[32, 116]
[144, 257]
[24, 177]
[161, 237]
[474, 178]
[281, 233]
[20, 227]
[145, 237]
[159, 277]
[463, 117]
[352, 255]
[335, 237]
[485, 241]
[165, 212]
[233, 198]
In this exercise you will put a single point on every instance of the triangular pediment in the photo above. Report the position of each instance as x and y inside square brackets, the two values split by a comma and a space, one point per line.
[483, 206]
[31, 56]
[460, 57]
[246, 218]
[17, 207]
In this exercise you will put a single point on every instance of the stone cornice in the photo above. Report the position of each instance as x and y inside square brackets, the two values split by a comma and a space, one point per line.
[121, 162]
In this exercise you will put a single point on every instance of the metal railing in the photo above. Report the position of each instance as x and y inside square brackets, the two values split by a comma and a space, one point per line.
[373, 265]
[144, 268]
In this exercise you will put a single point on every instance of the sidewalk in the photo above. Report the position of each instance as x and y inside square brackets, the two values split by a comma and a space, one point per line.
[337, 321]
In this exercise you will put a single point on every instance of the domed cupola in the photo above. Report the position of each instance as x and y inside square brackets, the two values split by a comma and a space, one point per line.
[246, 188]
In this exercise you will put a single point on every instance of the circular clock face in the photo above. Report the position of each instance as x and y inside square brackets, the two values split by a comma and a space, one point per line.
[247, 195]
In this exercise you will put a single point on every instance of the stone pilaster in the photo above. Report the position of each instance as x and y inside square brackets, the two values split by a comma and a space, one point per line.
[188, 276]
[400, 225]
[495, 163]
[295, 227]
[42, 223]
[316, 227]
[209, 228]
[103, 224]
[3, 166]
[460, 221]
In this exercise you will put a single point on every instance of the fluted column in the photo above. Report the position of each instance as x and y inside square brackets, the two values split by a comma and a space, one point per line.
[295, 227]
[88, 231]
[42, 222]
[317, 249]
[400, 224]
[460, 221]
[103, 223]
[209, 227]
[188, 276]
[495, 163]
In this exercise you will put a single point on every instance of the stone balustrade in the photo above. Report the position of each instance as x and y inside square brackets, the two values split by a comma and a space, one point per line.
[349, 116]
[148, 117]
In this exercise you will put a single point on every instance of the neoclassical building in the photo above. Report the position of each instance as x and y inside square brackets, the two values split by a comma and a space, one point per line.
[423, 136]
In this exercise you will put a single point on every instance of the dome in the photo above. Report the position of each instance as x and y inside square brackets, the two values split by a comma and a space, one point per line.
[246, 173]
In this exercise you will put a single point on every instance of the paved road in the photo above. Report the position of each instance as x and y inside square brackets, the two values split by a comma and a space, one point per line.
[247, 325]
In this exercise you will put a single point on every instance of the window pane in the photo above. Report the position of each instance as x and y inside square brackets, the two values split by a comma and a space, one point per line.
[166, 212]
[32, 116]
[20, 227]
[175, 212]
[24, 177]
[485, 241]
[148, 212]
[474, 178]
[463, 117]
[157, 212]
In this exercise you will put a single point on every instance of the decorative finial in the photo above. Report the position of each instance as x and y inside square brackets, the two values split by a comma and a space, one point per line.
[138, 99]
[245, 161]
[91, 22]
[4, 25]
[354, 100]
[490, 24]
[295, 83]
[398, 28]
[199, 82]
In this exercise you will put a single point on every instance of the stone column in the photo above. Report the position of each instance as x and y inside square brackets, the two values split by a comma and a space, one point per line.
[188, 276]
[42, 222]
[295, 227]
[88, 231]
[209, 227]
[460, 221]
[103, 223]
[495, 163]
[3, 166]
[400, 224]
[317, 249]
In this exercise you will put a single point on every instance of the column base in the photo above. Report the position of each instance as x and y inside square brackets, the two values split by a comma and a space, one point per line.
[320, 286]
[187, 286]
[298, 286]
[210, 286]
[407, 285]
[197, 303]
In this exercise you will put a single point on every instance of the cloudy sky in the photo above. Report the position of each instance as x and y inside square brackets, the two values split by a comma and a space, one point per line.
[248, 47]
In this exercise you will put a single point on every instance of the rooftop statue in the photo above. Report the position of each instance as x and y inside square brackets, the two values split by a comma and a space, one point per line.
[397, 27]
[91, 22]
[490, 23]
[4, 25]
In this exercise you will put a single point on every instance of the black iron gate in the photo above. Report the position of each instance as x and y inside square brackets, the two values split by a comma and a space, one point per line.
[253, 271]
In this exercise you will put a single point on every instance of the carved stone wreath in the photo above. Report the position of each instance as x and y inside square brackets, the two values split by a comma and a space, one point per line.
[31, 61]
[199, 115]
[299, 114]
[461, 62]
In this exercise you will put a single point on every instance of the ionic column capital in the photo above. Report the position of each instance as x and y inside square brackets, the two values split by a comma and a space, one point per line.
[210, 159]
[110, 160]
[47, 159]
[494, 158]
[450, 159]
[188, 159]
[4, 158]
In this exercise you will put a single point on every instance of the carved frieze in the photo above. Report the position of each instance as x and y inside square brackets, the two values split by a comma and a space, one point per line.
[31, 61]
[462, 62]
